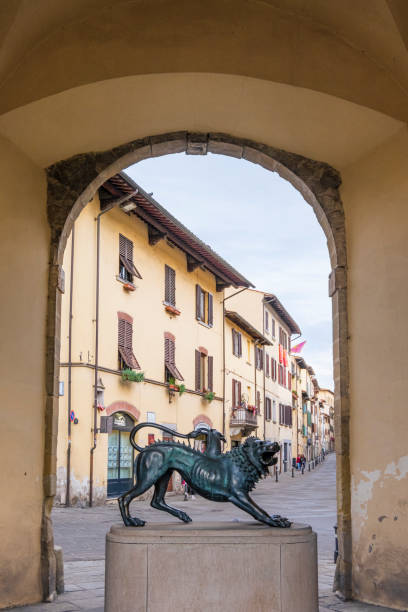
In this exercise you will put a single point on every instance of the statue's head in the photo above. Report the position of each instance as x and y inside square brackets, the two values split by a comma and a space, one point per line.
[261, 451]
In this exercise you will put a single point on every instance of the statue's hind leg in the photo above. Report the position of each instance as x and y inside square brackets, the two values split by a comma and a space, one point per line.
[125, 500]
[158, 499]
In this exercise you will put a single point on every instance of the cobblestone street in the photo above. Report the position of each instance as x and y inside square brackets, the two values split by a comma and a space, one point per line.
[308, 498]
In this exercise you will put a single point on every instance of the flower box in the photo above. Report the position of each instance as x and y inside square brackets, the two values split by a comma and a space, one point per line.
[129, 286]
[171, 309]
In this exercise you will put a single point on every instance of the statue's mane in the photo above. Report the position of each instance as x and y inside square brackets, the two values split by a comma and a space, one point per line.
[252, 472]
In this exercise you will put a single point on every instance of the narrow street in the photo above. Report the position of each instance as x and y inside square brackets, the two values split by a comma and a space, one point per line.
[308, 498]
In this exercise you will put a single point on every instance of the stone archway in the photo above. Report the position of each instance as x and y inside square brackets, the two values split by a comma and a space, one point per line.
[72, 183]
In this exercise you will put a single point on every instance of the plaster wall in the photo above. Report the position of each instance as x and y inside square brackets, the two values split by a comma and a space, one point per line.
[375, 193]
[150, 321]
[241, 369]
[24, 248]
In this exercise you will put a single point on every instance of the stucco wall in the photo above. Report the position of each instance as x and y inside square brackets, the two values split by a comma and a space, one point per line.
[150, 321]
[375, 196]
[24, 239]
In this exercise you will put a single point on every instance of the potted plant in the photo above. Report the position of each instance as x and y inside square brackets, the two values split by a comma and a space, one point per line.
[132, 376]
[172, 384]
[181, 389]
[209, 396]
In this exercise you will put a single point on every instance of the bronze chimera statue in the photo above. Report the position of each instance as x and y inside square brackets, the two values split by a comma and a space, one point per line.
[223, 477]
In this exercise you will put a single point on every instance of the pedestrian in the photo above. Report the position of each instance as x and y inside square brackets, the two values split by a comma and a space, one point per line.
[298, 462]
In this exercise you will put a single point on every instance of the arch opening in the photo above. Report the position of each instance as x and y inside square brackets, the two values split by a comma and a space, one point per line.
[73, 183]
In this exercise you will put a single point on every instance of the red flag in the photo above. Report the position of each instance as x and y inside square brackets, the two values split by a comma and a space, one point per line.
[280, 353]
[298, 347]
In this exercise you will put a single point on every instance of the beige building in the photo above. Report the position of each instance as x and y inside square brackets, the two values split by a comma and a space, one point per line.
[245, 408]
[316, 92]
[142, 337]
[272, 365]
[326, 405]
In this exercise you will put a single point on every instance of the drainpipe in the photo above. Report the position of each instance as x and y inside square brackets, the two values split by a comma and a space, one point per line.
[223, 355]
[112, 204]
[69, 391]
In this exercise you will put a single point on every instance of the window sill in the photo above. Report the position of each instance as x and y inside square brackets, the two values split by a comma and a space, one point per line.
[204, 324]
[126, 284]
[171, 309]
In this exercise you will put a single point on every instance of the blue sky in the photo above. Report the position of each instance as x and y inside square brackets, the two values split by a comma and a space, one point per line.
[262, 226]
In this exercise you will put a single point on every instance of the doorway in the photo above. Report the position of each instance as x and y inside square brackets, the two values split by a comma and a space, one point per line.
[120, 455]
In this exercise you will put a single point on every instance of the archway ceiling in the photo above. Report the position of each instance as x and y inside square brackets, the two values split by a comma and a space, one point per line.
[352, 49]
[102, 115]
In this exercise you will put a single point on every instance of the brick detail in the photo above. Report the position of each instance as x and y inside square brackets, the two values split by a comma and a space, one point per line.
[125, 317]
[202, 418]
[123, 407]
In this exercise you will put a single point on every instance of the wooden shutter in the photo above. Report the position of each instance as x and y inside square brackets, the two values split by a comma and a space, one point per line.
[258, 402]
[239, 394]
[233, 332]
[266, 320]
[210, 310]
[289, 381]
[197, 370]
[233, 394]
[239, 344]
[198, 302]
[266, 364]
[170, 358]
[126, 255]
[125, 344]
[210, 364]
[169, 285]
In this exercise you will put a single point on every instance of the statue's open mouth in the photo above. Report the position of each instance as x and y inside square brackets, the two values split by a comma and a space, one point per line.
[267, 457]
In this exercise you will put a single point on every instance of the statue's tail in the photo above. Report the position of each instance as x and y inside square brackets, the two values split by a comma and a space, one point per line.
[157, 426]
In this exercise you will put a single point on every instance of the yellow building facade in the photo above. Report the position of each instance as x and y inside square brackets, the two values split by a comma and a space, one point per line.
[142, 338]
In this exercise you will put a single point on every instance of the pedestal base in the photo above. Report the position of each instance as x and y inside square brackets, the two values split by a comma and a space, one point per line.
[214, 567]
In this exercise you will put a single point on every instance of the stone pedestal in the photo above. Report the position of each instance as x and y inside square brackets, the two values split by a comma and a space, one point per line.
[236, 567]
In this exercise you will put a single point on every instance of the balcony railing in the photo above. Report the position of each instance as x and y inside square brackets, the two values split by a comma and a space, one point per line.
[243, 417]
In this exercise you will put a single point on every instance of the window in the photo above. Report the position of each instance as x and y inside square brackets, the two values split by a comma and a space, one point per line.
[151, 417]
[170, 367]
[283, 338]
[274, 411]
[125, 343]
[236, 394]
[204, 306]
[273, 368]
[289, 381]
[280, 375]
[285, 415]
[204, 371]
[169, 285]
[266, 321]
[267, 364]
[273, 328]
[236, 343]
[61, 388]
[259, 358]
[268, 411]
[127, 269]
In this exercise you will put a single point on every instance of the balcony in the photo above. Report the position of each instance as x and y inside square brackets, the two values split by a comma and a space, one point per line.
[244, 419]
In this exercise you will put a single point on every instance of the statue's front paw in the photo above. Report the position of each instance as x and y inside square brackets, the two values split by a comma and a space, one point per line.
[184, 517]
[278, 521]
